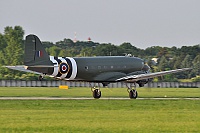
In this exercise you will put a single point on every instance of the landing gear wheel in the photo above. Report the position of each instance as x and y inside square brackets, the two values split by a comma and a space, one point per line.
[40, 78]
[133, 94]
[96, 93]
[141, 85]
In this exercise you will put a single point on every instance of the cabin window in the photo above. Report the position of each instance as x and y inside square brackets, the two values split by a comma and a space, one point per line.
[86, 67]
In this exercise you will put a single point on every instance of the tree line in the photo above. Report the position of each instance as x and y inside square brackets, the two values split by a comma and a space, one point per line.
[157, 57]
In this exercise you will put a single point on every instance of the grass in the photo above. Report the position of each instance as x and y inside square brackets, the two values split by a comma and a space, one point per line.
[99, 115]
[106, 92]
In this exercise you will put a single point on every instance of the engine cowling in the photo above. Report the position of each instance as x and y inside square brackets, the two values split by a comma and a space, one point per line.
[142, 82]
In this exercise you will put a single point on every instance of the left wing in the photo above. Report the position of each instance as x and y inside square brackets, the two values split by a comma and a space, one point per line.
[134, 78]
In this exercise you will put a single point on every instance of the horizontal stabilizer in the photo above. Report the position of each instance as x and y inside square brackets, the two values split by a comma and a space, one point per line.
[40, 66]
[21, 68]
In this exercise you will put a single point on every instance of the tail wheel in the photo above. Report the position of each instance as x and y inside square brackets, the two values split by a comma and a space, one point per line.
[40, 78]
[133, 94]
[97, 93]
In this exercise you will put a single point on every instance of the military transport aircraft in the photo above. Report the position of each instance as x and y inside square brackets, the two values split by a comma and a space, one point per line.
[102, 69]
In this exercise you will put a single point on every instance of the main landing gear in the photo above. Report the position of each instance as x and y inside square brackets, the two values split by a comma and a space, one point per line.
[95, 91]
[132, 92]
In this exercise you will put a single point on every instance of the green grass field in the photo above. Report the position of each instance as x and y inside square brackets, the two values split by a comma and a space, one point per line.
[106, 92]
[99, 115]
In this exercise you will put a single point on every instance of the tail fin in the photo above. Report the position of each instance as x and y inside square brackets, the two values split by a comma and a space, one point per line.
[35, 54]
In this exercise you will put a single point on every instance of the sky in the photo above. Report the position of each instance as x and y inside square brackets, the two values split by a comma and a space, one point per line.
[143, 23]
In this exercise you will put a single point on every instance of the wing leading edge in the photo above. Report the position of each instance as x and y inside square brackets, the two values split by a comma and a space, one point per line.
[134, 78]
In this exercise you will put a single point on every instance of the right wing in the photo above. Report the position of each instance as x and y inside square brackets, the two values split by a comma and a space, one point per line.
[134, 78]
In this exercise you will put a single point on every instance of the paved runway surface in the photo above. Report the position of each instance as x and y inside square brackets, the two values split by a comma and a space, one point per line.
[88, 98]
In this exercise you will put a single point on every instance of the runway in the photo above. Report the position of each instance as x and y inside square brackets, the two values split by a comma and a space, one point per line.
[89, 98]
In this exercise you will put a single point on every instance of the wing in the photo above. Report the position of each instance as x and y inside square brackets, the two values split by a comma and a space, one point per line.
[134, 78]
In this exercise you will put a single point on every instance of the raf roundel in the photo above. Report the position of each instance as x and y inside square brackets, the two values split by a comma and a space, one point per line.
[64, 68]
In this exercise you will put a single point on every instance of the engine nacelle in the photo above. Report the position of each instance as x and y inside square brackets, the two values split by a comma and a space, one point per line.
[146, 69]
[143, 82]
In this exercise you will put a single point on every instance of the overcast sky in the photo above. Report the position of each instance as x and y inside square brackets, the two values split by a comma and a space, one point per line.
[143, 23]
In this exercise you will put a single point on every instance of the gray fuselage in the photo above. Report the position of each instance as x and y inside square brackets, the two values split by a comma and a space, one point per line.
[92, 69]
[106, 68]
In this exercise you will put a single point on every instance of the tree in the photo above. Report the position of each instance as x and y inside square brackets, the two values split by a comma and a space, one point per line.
[191, 50]
[65, 43]
[66, 53]
[127, 48]
[14, 52]
[152, 51]
[175, 62]
[186, 63]
[163, 64]
[54, 51]
[163, 52]
[88, 51]
[196, 65]
[2, 42]
[106, 50]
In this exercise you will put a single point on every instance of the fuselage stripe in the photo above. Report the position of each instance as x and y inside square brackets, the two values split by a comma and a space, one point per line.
[64, 67]
[59, 61]
[55, 70]
[62, 74]
[74, 68]
[70, 68]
